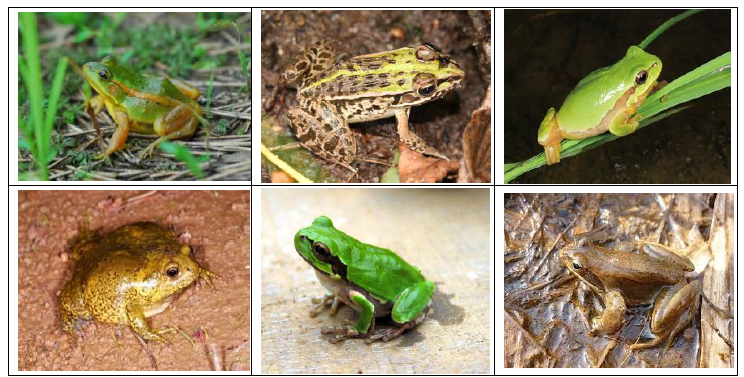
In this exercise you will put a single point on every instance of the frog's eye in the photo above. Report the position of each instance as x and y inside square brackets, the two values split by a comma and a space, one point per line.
[641, 77]
[321, 251]
[172, 272]
[104, 74]
[427, 90]
[577, 264]
[426, 52]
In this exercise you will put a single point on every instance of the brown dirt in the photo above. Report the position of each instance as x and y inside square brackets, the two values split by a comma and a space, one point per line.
[215, 223]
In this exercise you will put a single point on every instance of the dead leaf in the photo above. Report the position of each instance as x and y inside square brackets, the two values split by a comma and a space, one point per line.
[414, 167]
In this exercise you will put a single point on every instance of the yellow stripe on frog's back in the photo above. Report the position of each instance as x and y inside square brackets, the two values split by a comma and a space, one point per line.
[396, 64]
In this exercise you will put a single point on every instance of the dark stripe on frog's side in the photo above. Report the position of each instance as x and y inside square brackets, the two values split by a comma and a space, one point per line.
[338, 267]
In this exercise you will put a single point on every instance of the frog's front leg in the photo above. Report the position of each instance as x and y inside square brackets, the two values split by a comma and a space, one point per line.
[412, 140]
[624, 125]
[330, 299]
[364, 325]
[322, 130]
[613, 315]
[137, 320]
[123, 124]
[673, 311]
[179, 122]
[549, 136]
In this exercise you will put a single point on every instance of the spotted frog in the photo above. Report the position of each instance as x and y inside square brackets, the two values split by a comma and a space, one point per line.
[361, 89]
[127, 276]
[625, 279]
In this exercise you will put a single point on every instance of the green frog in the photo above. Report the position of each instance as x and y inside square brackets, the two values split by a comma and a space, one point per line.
[142, 103]
[606, 99]
[372, 280]
[132, 273]
[623, 279]
[361, 89]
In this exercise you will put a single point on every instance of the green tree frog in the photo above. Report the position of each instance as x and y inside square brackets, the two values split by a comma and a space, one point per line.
[373, 281]
[606, 99]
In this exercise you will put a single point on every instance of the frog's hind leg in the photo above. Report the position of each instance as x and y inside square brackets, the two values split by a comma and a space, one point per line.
[119, 137]
[394, 332]
[412, 140]
[310, 64]
[322, 130]
[549, 136]
[179, 122]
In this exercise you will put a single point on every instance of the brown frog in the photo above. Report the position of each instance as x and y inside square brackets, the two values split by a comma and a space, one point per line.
[624, 279]
[130, 274]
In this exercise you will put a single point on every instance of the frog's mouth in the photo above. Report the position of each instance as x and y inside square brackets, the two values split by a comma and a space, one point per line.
[338, 267]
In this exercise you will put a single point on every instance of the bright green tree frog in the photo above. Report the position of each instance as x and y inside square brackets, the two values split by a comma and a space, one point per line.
[606, 99]
[374, 281]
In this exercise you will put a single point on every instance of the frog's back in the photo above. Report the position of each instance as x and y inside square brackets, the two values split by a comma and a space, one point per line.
[376, 266]
[575, 123]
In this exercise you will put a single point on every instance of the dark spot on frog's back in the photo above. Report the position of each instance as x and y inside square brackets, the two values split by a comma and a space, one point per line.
[331, 145]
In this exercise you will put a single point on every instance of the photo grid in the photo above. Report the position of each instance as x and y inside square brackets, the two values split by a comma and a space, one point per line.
[372, 202]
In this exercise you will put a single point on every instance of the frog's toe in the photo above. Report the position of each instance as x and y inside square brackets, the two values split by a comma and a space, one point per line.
[386, 335]
[342, 332]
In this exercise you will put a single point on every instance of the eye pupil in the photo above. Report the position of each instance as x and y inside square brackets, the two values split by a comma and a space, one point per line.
[172, 272]
[641, 77]
[576, 265]
[427, 90]
[103, 74]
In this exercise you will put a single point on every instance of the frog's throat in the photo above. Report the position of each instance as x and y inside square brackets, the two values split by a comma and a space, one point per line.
[158, 307]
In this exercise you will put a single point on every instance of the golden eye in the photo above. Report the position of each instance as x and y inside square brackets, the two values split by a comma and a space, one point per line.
[577, 264]
[321, 251]
[641, 77]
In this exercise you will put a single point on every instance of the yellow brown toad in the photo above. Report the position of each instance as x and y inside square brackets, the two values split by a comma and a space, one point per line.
[130, 274]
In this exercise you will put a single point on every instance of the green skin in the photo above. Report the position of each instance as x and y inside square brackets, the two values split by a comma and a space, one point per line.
[138, 109]
[605, 99]
[375, 279]
[142, 103]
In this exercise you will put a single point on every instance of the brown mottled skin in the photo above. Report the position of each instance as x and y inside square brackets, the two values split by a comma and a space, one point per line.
[126, 276]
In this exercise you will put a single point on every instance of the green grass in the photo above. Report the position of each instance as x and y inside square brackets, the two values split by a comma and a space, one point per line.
[37, 128]
[708, 78]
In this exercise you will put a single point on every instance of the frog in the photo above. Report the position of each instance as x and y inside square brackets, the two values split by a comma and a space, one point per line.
[130, 274]
[606, 99]
[654, 276]
[146, 104]
[364, 88]
[372, 280]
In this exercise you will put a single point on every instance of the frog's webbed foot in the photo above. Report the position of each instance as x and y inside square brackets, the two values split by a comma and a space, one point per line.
[412, 140]
[208, 276]
[342, 332]
[329, 300]
[388, 334]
